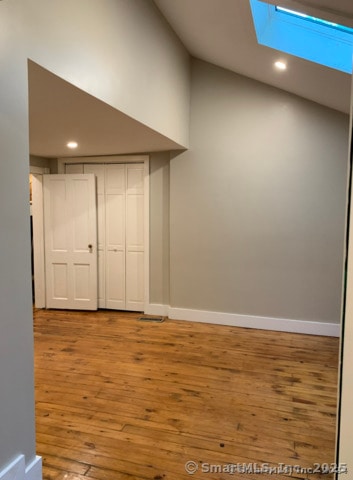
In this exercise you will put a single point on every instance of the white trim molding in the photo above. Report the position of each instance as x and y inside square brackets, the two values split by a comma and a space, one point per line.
[157, 309]
[62, 162]
[247, 321]
[146, 233]
[17, 469]
[34, 469]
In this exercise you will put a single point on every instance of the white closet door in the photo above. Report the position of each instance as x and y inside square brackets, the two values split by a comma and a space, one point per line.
[134, 237]
[115, 186]
[120, 201]
[70, 227]
[98, 171]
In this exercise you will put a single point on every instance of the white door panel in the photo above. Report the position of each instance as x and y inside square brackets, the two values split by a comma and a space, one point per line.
[134, 237]
[101, 220]
[60, 280]
[98, 171]
[101, 278]
[115, 280]
[134, 222]
[115, 221]
[134, 179]
[70, 227]
[134, 281]
[115, 179]
[115, 186]
[81, 215]
[81, 274]
[56, 234]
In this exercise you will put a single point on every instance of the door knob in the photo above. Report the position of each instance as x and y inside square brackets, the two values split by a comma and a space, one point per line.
[90, 247]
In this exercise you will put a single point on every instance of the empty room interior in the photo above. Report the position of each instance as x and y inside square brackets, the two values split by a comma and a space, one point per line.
[176, 288]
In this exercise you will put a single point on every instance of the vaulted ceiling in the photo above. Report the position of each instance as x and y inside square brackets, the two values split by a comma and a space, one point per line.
[222, 32]
[217, 31]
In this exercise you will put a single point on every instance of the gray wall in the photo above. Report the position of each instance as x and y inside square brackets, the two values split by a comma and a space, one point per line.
[125, 54]
[258, 202]
[159, 228]
[42, 162]
[16, 330]
[51, 163]
[122, 52]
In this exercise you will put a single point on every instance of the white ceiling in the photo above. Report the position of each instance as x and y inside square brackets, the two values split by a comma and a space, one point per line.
[218, 31]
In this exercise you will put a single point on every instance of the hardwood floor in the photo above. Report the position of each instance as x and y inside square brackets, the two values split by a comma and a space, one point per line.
[122, 399]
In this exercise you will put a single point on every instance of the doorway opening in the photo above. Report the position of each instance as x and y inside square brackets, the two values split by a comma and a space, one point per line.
[135, 170]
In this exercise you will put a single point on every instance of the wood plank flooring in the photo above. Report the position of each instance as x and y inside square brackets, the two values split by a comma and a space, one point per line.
[122, 399]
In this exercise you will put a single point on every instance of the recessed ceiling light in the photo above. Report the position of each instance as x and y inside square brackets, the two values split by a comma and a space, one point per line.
[72, 144]
[280, 65]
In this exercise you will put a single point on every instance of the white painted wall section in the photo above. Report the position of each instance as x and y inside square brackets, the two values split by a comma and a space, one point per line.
[122, 52]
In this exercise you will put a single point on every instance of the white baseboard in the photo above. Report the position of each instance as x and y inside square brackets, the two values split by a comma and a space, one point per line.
[247, 321]
[17, 469]
[34, 469]
[157, 309]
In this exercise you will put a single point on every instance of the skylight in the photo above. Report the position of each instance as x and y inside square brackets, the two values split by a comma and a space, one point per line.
[319, 21]
[301, 35]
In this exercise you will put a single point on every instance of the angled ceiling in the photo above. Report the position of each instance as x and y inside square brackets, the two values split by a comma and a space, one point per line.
[339, 11]
[219, 32]
[60, 112]
[222, 33]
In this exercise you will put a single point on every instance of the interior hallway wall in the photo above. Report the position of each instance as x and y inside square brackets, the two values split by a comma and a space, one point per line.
[125, 54]
[258, 202]
[159, 228]
[42, 162]
[121, 52]
[16, 338]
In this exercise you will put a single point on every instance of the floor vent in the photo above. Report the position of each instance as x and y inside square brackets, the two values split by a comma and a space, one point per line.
[151, 319]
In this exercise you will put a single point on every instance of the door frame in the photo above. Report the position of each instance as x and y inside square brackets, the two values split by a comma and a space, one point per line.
[38, 234]
[145, 159]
